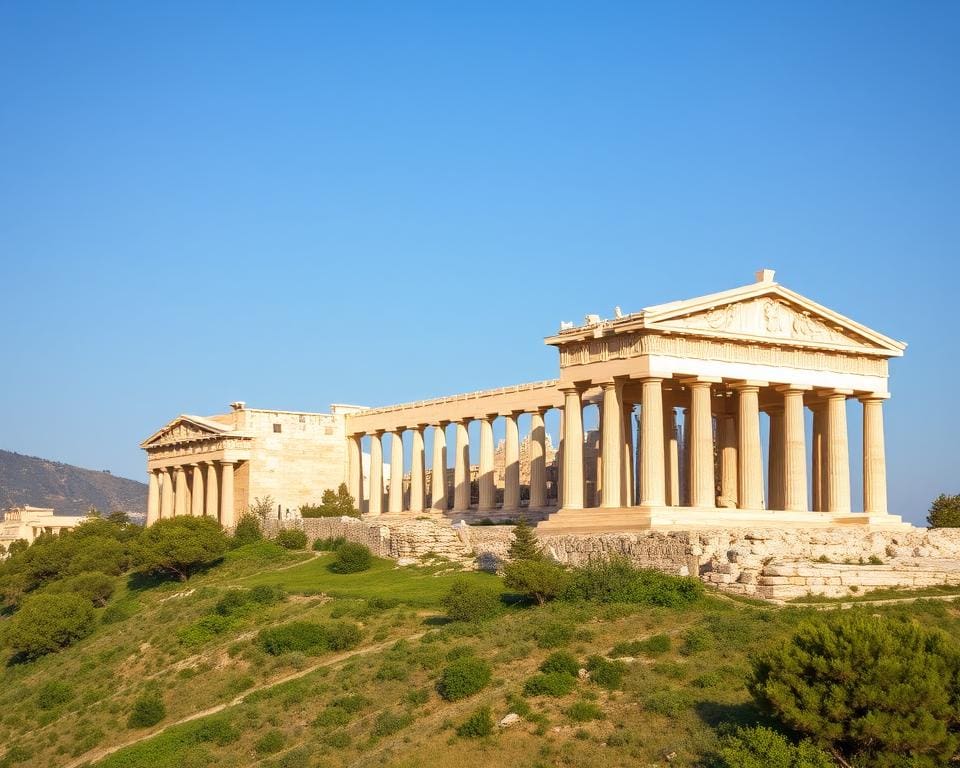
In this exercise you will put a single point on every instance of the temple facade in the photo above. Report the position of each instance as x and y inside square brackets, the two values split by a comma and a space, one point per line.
[688, 393]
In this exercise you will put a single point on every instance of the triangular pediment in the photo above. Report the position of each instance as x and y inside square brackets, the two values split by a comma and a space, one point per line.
[186, 428]
[768, 312]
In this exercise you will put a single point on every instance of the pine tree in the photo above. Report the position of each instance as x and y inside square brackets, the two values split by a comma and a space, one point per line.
[525, 545]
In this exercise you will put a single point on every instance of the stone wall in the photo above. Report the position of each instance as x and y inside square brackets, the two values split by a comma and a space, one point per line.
[765, 563]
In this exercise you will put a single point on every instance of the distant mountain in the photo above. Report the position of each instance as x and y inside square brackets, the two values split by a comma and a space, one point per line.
[69, 490]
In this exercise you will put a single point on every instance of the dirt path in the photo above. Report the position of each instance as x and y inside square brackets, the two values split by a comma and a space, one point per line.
[98, 754]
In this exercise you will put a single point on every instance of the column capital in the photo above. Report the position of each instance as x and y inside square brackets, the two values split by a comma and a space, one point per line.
[420, 426]
[833, 394]
[785, 388]
[515, 414]
[693, 381]
[376, 432]
[874, 397]
[748, 385]
[225, 462]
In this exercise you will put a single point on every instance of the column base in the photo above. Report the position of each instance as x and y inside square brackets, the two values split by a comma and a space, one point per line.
[646, 518]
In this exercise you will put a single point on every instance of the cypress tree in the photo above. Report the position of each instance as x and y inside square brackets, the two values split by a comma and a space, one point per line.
[525, 545]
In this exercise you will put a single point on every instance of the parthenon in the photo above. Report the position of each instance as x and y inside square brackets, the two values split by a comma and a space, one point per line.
[680, 389]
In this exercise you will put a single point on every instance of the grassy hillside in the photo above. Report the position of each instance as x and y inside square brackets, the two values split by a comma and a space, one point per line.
[69, 490]
[228, 702]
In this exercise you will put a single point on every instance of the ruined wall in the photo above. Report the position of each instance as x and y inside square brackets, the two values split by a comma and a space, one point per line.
[765, 563]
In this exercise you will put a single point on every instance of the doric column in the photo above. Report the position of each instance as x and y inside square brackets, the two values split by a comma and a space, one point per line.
[227, 516]
[572, 448]
[728, 457]
[511, 462]
[750, 471]
[487, 489]
[153, 496]
[461, 469]
[559, 462]
[794, 452]
[167, 495]
[818, 466]
[652, 487]
[874, 460]
[626, 474]
[837, 454]
[537, 455]
[417, 469]
[197, 499]
[612, 445]
[700, 438]
[355, 469]
[775, 459]
[395, 499]
[213, 491]
[180, 499]
[671, 466]
[438, 475]
[375, 500]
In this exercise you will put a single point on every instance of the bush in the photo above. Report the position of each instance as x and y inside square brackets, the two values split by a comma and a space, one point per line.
[308, 637]
[329, 545]
[53, 694]
[696, 640]
[93, 586]
[668, 702]
[46, 623]
[147, 710]
[463, 677]
[179, 546]
[539, 579]
[872, 689]
[270, 742]
[944, 512]
[584, 711]
[656, 645]
[764, 748]
[524, 545]
[549, 684]
[553, 634]
[352, 558]
[561, 661]
[617, 580]
[205, 629]
[478, 725]
[606, 674]
[332, 504]
[291, 538]
[469, 601]
[247, 531]
[388, 723]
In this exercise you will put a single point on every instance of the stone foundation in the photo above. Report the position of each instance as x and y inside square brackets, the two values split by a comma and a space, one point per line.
[765, 563]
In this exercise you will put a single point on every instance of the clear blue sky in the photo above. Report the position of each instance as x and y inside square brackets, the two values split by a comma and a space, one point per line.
[299, 204]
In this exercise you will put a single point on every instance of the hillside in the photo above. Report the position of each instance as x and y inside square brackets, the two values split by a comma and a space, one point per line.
[69, 490]
[231, 700]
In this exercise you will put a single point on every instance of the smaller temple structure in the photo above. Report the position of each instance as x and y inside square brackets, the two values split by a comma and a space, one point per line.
[29, 522]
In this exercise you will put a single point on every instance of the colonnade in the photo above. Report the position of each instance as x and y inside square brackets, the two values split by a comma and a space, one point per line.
[201, 489]
[437, 497]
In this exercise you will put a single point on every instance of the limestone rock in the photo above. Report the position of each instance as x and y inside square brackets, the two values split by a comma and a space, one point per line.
[512, 719]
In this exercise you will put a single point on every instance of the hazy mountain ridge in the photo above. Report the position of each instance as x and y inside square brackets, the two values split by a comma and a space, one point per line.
[69, 490]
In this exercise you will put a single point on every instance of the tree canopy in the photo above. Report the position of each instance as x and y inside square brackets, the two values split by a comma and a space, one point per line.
[180, 546]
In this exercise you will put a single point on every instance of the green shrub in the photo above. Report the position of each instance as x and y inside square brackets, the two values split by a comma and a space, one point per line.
[584, 711]
[696, 640]
[388, 723]
[524, 545]
[352, 703]
[291, 538]
[549, 684]
[332, 504]
[764, 748]
[668, 702]
[118, 611]
[944, 512]
[540, 580]
[329, 545]
[233, 602]
[266, 594]
[52, 694]
[147, 710]
[46, 623]
[179, 546]
[94, 586]
[478, 725]
[352, 558]
[605, 673]
[308, 637]
[16, 753]
[463, 677]
[866, 687]
[553, 634]
[270, 742]
[656, 645]
[417, 696]
[469, 601]
[617, 580]
[246, 531]
[205, 629]
[561, 661]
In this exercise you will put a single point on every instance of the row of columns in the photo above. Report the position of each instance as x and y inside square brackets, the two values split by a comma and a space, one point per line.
[438, 496]
[739, 448]
[207, 491]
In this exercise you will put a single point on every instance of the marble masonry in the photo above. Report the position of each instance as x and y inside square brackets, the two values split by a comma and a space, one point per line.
[723, 411]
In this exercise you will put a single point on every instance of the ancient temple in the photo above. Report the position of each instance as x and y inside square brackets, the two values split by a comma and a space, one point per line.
[688, 393]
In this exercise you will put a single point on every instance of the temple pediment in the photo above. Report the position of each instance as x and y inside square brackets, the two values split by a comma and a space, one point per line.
[768, 312]
[187, 428]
